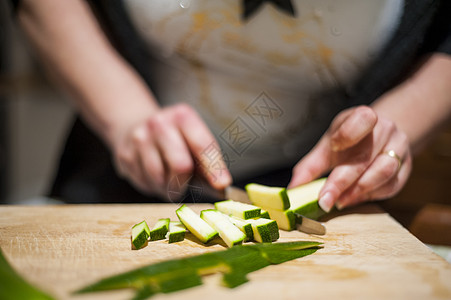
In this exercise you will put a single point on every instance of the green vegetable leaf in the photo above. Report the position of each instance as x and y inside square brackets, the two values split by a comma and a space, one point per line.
[178, 274]
[144, 292]
[282, 252]
[13, 286]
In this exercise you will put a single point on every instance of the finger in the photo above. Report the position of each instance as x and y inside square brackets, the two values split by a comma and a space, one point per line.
[127, 164]
[352, 163]
[132, 172]
[382, 170]
[351, 129]
[150, 160]
[313, 165]
[203, 147]
[177, 160]
[318, 161]
[392, 187]
[355, 162]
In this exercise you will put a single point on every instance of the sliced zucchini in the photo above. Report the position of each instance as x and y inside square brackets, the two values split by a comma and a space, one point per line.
[261, 233]
[176, 232]
[228, 232]
[273, 229]
[265, 230]
[286, 219]
[264, 214]
[195, 224]
[244, 226]
[268, 197]
[159, 230]
[238, 209]
[140, 234]
[304, 199]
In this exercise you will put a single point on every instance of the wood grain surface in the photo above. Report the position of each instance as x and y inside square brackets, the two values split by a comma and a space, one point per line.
[366, 255]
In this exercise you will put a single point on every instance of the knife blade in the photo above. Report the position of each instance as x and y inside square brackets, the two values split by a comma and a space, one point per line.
[310, 226]
[237, 194]
[210, 194]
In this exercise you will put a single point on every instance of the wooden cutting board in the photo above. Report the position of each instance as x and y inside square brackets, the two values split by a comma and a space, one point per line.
[366, 255]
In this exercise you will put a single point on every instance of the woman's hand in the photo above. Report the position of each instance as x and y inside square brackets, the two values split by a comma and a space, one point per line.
[356, 149]
[166, 149]
[151, 146]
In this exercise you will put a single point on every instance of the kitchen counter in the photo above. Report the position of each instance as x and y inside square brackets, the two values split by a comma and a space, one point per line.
[366, 255]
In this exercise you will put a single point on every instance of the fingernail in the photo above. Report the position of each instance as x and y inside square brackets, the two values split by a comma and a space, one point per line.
[326, 202]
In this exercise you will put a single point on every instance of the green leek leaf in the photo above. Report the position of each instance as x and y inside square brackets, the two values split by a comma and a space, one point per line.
[13, 286]
[178, 274]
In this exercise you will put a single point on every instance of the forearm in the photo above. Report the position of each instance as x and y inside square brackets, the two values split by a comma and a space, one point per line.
[107, 91]
[422, 103]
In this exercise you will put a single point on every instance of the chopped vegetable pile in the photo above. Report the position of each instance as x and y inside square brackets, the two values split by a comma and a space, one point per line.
[235, 222]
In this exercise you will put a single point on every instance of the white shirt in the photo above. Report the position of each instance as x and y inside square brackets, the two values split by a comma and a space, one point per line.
[256, 82]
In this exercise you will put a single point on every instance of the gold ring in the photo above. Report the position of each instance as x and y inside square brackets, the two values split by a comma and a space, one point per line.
[393, 154]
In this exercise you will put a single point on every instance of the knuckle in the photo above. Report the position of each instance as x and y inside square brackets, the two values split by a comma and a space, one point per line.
[366, 118]
[183, 110]
[389, 169]
[160, 126]
[183, 167]
[390, 126]
[366, 112]
[124, 156]
[156, 122]
[152, 123]
[136, 137]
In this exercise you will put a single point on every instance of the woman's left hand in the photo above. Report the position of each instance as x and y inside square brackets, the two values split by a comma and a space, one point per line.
[369, 156]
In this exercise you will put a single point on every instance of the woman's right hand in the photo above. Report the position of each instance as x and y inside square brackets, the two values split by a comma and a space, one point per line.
[161, 153]
[151, 145]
